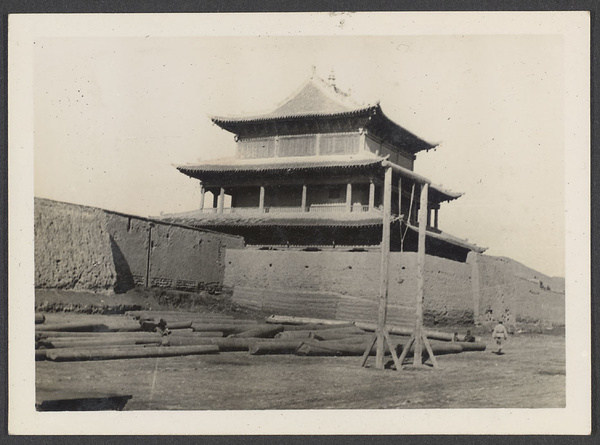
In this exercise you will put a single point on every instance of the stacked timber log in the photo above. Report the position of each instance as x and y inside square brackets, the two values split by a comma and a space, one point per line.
[138, 335]
[312, 336]
[168, 333]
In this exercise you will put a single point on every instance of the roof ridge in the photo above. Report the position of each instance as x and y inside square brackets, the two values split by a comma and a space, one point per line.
[333, 93]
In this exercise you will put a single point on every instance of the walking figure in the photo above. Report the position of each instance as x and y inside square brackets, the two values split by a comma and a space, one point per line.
[499, 334]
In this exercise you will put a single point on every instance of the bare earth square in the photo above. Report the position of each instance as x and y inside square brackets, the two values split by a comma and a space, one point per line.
[531, 374]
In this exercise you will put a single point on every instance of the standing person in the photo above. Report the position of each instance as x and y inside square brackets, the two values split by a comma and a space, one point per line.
[499, 334]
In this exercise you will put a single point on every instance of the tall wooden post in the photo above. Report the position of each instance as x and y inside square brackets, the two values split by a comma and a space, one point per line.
[421, 275]
[384, 270]
[221, 201]
[473, 258]
[349, 197]
[304, 193]
[261, 199]
[149, 255]
[202, 192]
[371, 195]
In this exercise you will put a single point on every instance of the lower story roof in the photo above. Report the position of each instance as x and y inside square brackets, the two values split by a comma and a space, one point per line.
[359, 219]
[443, 236]
[339, 220]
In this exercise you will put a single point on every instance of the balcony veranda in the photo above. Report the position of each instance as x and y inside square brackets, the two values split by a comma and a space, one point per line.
[314, 208]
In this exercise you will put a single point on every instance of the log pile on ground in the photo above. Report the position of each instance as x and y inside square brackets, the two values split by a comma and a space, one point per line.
[174, 333]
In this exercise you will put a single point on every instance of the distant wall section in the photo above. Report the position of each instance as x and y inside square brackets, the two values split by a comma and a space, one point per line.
[510, 290]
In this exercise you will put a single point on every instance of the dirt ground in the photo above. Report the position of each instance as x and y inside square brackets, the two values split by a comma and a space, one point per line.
[531, 374]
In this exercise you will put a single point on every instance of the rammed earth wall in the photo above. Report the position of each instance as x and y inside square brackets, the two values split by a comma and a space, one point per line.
[345, 286]
[72, 247]
[179, 257]
[85, 248]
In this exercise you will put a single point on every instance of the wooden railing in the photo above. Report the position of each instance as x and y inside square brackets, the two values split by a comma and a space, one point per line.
[313, 208]
[284, 209]
[327, 208]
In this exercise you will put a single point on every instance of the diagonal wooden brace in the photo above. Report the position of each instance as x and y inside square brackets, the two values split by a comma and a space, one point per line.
[390, 344]
[365, 356]
[392, 350]
[430, 351]
[405, 350]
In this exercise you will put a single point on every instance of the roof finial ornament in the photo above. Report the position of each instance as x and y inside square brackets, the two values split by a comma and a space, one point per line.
[331, 78]
[313, 71]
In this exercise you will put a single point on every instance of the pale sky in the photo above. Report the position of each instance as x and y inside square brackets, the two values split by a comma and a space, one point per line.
[114, 115]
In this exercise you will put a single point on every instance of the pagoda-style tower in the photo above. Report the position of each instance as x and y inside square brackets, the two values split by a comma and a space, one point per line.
[309, 175]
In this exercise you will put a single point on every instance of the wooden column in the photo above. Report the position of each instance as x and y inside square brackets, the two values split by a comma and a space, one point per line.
[415, 216]
[221, 201]
[371, 195]
[202, 193]
[411, 206]
[400, 198]
[304, 193]
[362, 144]
[318, 144]
[384, 270]
[420, 276]
[349, 197]
[261, 199]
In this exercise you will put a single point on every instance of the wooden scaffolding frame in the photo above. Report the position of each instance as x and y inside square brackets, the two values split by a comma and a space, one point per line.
[382, 336]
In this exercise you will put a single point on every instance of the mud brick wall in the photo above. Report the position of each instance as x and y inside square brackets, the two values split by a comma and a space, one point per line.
[129, 243]
[345, 285]
[178, 258]
[78, 247]
[72, 247]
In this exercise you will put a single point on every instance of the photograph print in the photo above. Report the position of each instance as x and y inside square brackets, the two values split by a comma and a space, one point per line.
[268, 222]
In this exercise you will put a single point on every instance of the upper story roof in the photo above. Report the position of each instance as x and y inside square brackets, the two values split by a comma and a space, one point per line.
[321, 107]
